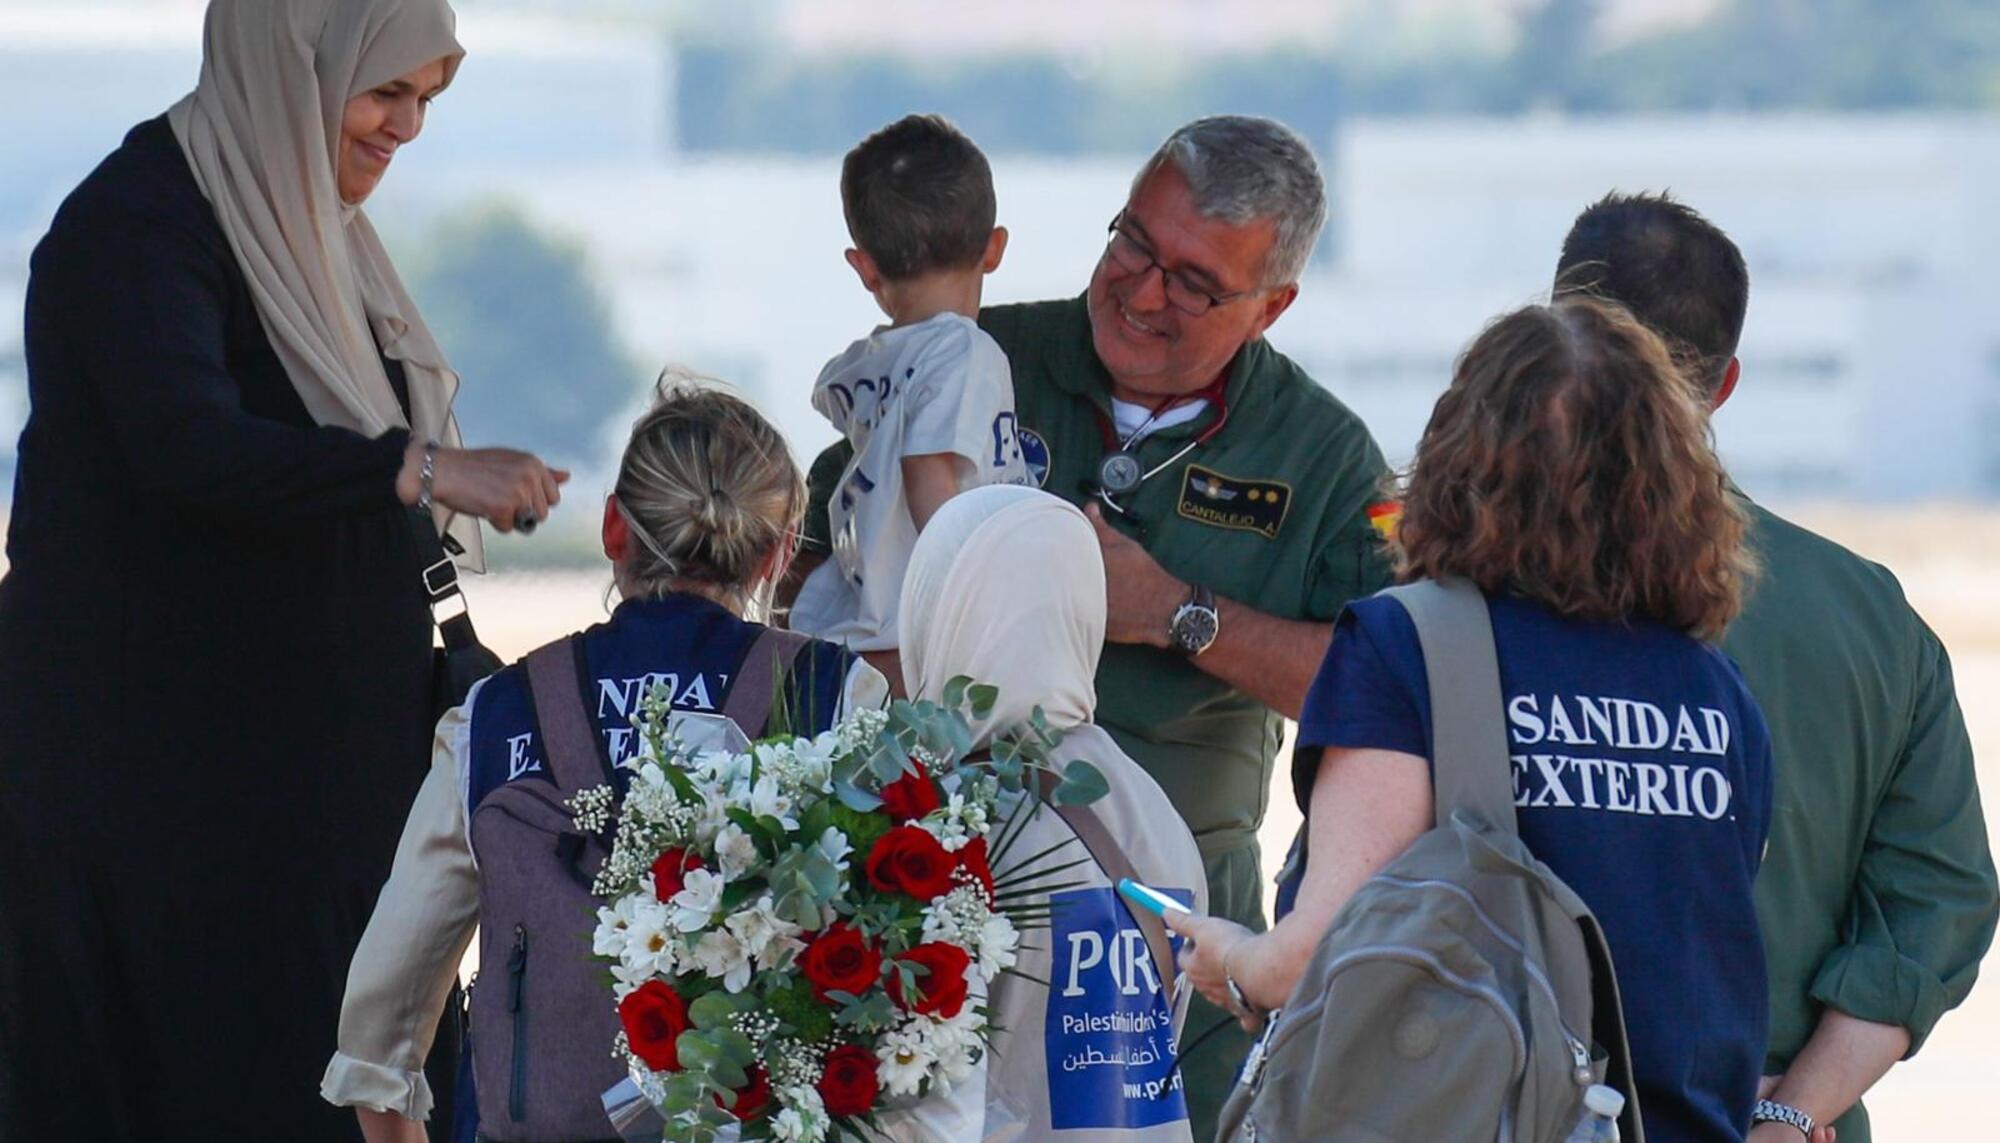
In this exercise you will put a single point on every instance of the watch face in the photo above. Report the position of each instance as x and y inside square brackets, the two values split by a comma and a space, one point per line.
[1194, 628]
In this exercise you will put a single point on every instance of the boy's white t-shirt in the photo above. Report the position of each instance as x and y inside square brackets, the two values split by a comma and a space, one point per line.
[938, 386]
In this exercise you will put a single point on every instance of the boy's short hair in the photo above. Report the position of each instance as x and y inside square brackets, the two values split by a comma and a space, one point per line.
[918, 197]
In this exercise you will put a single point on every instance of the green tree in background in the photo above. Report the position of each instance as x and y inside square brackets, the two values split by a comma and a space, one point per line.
[523, 322]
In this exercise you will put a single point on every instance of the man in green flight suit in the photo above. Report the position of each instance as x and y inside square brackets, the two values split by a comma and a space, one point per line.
[1877, 896]
[1231, 492]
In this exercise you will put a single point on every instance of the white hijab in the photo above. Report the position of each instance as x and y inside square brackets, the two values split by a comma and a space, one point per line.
[1006, 585]
[261, 132]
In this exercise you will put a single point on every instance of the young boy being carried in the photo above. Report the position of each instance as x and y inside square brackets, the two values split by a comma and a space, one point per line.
[927, 401]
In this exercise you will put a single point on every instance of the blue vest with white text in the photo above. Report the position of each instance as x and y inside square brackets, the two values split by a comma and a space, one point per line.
[684, 644]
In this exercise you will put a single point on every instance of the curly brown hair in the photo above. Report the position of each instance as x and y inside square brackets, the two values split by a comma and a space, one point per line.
[1570, 463]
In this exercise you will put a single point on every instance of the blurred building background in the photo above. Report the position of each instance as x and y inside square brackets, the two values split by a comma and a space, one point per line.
[614, 185]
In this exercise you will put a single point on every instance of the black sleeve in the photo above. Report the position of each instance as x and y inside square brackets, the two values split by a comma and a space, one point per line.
[149, 332]
[821, 481]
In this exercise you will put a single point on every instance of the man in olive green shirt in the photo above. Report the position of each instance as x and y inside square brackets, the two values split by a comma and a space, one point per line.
[1877, 895]
[1234, 513]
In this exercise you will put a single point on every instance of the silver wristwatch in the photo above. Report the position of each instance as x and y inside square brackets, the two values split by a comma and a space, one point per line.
[1771, 1111]
[1195, 625]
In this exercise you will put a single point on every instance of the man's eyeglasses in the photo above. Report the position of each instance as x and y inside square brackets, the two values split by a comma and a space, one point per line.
[1135, 257]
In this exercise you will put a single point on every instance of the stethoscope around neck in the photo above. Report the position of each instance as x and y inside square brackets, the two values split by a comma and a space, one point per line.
[1120, 473]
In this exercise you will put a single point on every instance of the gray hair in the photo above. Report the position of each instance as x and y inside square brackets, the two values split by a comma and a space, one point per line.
[709, 488]
[1242, 169]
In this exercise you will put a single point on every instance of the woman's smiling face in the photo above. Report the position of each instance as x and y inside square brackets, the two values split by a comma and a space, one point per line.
[376, 123]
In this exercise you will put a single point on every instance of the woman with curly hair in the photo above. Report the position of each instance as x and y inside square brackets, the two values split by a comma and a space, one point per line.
[1568, 473]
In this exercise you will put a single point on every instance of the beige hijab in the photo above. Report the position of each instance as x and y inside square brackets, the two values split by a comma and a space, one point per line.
[261, 131]
[1006, 584]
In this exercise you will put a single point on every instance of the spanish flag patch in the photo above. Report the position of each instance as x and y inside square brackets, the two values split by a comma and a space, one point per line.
[1385, 516]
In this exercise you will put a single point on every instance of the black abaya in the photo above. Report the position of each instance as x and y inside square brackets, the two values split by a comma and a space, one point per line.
[215, 690]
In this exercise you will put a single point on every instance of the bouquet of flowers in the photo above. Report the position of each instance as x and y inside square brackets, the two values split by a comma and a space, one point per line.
[801, 934]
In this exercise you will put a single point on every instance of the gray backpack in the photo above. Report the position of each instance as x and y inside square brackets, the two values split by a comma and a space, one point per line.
[543, 1021]
[1455, 996]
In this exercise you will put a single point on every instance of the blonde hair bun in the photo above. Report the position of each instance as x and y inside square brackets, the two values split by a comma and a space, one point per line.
[709, 488]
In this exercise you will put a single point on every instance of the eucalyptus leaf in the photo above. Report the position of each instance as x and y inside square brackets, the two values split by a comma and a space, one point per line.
[856, 798]
[1082, 784]
[697, 1050]
[714, 1010]
[736, 1047]
[954, 690]
[729, 1074]
[984, 696]
[684, 1092]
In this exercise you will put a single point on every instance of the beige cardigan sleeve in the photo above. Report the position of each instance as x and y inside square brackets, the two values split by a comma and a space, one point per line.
[403, 969]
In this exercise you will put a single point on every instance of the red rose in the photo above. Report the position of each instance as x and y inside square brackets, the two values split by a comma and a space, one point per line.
[670, 870]
[654, 1016]
[908, 859]
[972, 863]
[911, 796]
[941, 991]
[839, 960]
[849, 1084]
[750, 1098]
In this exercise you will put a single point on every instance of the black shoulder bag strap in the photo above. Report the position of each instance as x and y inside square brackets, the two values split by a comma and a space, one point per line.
[754, 690]
[466, 659]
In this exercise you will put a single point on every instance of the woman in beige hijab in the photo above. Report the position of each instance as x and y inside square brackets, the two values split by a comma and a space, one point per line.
[1006, 585]
[216, 688]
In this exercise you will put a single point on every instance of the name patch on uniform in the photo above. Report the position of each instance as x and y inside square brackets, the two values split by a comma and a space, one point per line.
[1108, 1031]
[1209, 497]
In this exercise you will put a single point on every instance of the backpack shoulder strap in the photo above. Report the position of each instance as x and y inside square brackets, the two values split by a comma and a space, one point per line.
[1110, 856]
[755, 687]
[555, 683]
[1468, 727]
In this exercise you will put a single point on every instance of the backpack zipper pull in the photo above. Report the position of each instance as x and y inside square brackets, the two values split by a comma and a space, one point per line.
[517, 968]
[1581, 1055]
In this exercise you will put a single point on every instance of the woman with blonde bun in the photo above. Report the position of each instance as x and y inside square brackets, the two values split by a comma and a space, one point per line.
[702, 523]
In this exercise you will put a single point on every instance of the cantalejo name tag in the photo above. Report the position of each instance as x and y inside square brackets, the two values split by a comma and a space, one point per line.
[1259, 506]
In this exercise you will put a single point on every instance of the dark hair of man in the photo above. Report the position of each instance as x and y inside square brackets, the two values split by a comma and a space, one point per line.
[918, 197]
[1569, 463]
[1675, 270]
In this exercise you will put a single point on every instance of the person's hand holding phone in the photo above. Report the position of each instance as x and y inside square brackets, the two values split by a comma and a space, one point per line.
[1205, 947]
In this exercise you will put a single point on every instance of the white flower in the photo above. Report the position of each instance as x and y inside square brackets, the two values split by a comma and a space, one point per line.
[769, 937]
[767, 800]
[957, 822]
[720, 954]
[714, 815]
[650, 947]
[998, 941]
[735, 850]
[694, 906]
[833, 844]
[798, 1125]
[956, 1044]
[614, 923]
[625, 981]
[904, 1058]
[719, 768]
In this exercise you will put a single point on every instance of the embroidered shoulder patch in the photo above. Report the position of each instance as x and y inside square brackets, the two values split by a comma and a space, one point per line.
[1208, 497]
